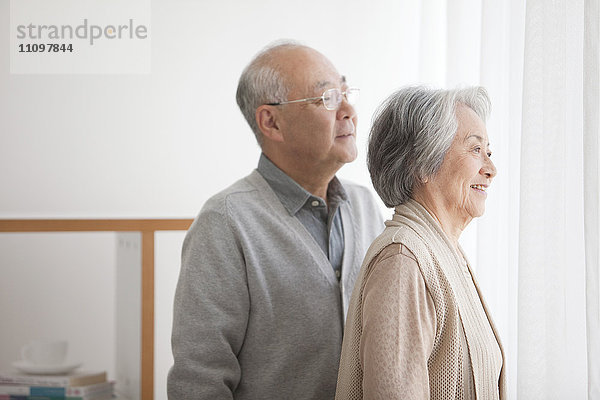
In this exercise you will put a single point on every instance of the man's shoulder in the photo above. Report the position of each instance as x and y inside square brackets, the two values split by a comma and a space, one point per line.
[355, 189]
[359, 194]
[241, 188]
[364, 208]
[227, 205]
[246, 197]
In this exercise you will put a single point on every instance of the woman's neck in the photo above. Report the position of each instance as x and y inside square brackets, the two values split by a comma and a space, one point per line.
[445, 215]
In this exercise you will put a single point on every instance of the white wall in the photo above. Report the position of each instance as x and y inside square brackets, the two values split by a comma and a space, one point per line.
[168, 246]
[49, 289]
[159, 145]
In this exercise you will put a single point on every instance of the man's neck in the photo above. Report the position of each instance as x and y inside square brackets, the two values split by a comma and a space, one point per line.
[316, 187]
[314, 179]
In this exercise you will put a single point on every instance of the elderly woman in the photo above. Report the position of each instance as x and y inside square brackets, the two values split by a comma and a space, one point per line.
[418, 327]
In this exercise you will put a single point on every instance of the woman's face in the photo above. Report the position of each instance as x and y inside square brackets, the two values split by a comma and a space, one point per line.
[461, 183]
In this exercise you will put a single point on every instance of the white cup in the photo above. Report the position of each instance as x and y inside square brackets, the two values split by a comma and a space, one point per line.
[45, 352]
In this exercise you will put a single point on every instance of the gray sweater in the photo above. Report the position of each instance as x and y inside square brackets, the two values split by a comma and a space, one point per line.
[259, 311]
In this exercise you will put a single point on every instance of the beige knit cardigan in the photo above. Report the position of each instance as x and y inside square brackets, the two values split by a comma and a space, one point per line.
[460, 363]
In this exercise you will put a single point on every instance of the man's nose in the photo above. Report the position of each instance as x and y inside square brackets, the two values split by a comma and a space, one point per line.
[346, 110]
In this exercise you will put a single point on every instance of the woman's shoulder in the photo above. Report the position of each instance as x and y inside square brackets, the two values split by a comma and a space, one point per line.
[403, 243]
[400, 234]
[398, 250]
[392, 259]
[395, 267]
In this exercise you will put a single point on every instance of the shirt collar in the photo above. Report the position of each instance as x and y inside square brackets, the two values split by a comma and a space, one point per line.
[291, 194]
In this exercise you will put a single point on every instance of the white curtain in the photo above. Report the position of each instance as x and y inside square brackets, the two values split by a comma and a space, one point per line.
[537, 247]
[591, 155]
[551, 296]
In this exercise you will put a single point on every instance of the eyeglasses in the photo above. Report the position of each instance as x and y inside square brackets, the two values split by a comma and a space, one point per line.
[332, 98]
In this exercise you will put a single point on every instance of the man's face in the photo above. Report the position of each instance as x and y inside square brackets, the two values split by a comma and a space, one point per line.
[312, 134]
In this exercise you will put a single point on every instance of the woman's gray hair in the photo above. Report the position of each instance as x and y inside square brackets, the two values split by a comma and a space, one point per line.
[411, 134]
[261, 83]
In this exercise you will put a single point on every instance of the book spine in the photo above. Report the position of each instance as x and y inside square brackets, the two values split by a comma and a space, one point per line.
[45, 397]
[97, 396]
[47, 391]
[90, 389]
[12, 397]
[14, 390]
[45, 381]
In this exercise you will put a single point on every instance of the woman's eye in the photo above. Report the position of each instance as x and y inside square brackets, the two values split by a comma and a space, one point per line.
[477, 150]
[489, 154]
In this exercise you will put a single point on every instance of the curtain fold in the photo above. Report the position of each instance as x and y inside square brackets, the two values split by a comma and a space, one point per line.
[591, 131]
[551, 299]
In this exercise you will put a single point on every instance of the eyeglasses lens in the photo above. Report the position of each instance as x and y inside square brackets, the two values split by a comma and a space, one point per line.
[352, 95]
[332, 99]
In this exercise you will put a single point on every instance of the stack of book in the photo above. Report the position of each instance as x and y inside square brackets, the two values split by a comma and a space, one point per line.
[76, 386]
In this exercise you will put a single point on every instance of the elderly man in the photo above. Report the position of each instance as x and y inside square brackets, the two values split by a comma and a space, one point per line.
[269, 264]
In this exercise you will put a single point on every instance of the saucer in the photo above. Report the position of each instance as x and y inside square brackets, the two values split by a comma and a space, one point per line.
[42, 369]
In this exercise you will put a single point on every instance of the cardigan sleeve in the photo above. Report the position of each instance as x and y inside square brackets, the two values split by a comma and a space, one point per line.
[210, 310]
[399, 326]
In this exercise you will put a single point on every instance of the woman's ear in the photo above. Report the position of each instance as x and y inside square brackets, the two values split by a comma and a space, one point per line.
[267, 119]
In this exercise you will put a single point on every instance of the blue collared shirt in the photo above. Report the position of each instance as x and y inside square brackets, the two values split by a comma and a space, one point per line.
[322, 221]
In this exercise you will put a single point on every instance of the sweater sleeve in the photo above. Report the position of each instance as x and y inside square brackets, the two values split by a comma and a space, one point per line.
[210, 311]
[399, 327]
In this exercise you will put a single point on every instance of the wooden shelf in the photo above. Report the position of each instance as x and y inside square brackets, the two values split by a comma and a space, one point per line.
[147, 228]
[93, 225]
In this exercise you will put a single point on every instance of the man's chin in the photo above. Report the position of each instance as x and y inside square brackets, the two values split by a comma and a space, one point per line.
[350, 157]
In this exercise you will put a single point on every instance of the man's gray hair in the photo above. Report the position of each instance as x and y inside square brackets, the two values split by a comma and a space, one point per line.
[411, 134]
[261, 83]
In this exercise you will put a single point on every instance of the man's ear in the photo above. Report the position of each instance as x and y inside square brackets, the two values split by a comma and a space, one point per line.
[267, 119]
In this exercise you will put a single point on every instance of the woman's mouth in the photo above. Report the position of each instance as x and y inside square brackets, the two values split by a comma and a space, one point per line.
[479, 188]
